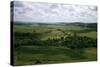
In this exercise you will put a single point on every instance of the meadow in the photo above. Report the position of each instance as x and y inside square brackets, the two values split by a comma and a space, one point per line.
[41, 43]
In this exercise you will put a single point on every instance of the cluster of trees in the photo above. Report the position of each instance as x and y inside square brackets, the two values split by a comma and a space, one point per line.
[71, 41]
[80, 41]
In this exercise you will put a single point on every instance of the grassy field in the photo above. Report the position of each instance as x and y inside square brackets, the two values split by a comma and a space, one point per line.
[92, 34]
[43, 55]
[36, 54]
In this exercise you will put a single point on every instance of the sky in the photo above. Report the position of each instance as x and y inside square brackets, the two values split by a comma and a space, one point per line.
[26, 11]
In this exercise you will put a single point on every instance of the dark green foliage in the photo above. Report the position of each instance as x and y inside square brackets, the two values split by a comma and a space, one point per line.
[79, 41]
[77, 53]
[37, 62]
[72, 41]
[26, 35]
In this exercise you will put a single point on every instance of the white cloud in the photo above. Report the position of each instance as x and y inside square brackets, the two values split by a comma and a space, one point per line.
[50, 12]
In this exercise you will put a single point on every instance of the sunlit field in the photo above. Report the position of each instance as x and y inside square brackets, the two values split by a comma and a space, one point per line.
[41, 43]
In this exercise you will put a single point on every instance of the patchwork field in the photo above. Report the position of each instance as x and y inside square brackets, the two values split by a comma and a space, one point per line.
[54, 43]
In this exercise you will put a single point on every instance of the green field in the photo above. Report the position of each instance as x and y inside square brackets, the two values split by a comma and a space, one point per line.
[53, 43]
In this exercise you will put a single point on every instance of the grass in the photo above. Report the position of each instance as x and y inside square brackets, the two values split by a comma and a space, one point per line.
[43, 55]
[92, 34]
[90, 53]
[28, 55]
[54, 32]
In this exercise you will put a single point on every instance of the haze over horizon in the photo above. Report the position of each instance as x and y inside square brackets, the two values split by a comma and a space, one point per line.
[26, 11]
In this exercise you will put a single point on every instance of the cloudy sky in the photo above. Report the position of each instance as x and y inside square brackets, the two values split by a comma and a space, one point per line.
[25, 11]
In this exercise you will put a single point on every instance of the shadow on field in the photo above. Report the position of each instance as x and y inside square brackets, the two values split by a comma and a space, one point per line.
[49, 51]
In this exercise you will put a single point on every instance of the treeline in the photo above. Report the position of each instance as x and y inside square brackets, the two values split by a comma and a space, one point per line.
[71, 41]
[89, 26]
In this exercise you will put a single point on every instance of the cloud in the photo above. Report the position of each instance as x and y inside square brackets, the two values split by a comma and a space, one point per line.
[51, 12]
